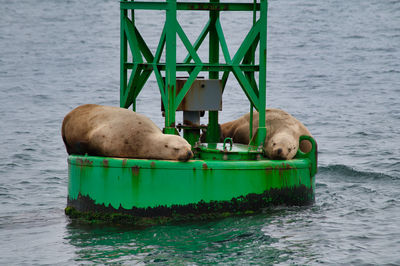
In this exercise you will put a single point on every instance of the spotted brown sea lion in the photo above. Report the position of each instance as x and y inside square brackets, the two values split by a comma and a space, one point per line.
[117, 132]
[283, 133]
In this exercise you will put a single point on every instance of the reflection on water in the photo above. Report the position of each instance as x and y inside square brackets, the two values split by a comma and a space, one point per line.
[226, 241]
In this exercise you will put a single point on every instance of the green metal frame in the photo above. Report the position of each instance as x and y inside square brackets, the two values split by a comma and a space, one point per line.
[242, 64]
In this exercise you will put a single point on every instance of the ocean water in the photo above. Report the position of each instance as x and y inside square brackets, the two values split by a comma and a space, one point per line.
[335, 65]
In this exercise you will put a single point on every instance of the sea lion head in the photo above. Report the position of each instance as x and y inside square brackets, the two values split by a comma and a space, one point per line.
[174, 147]
[282, 146]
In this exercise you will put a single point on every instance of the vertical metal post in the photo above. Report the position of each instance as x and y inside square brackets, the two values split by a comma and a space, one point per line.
[123, 56]
[170, 71]
[251, 122]
[252, 76]
[213, 129]
[133, 22]
[192, 132]
[262, 131]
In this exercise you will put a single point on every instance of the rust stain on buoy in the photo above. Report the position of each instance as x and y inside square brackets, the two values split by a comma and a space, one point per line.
[135, 170]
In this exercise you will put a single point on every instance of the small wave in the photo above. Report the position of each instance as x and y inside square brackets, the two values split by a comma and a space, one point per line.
[41, 97]
[347, 171]
[10, 165]
[316, 76]
[354, 37]
[362, 133]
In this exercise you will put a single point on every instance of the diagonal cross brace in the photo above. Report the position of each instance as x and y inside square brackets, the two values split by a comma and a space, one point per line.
[196, 70]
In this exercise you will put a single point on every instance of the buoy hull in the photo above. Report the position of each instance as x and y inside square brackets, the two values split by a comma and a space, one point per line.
[144, 189]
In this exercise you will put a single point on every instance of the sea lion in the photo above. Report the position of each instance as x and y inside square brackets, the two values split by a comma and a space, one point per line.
[283, 133]
[117, 132]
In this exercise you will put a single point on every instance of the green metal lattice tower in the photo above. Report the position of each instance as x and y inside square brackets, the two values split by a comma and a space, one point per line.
[242, 64]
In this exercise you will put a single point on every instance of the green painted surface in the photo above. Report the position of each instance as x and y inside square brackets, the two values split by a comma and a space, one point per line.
[148, 183]
[226, 151]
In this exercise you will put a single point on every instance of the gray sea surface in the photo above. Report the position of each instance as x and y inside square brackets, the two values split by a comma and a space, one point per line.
[333, 64]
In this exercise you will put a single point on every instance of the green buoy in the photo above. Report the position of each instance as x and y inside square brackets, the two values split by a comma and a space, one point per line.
[223, 178]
